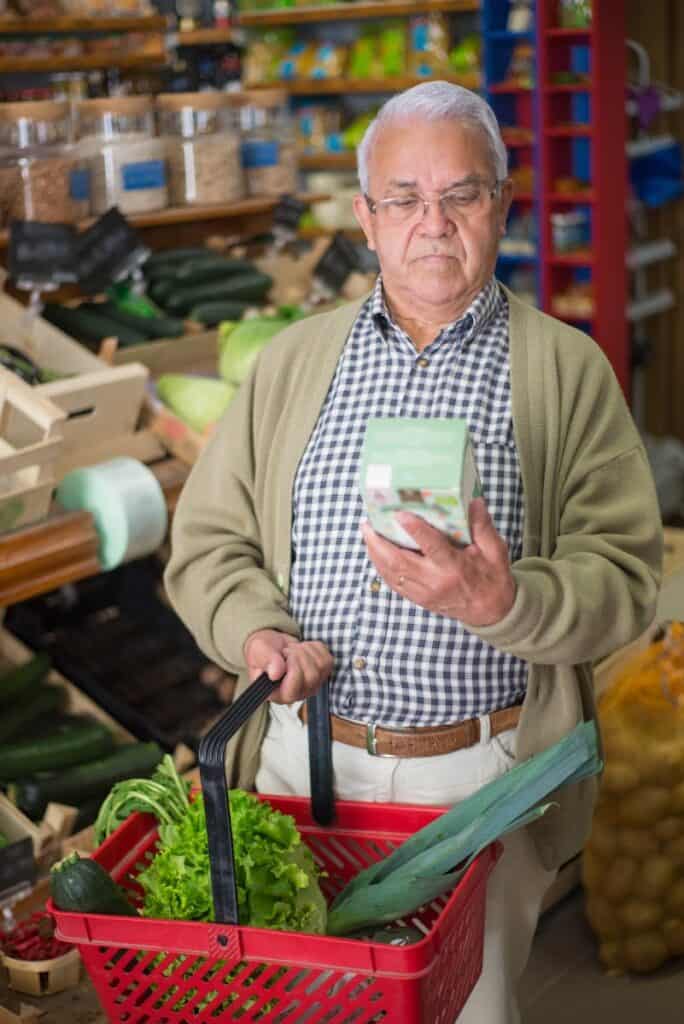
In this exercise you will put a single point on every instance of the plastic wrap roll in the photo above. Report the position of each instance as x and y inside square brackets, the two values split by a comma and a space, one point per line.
[127, 504]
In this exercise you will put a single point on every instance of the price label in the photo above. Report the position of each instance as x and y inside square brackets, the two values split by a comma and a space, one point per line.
[107, 251]
[41, 256]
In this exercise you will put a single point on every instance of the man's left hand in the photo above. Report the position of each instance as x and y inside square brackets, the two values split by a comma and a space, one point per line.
[473, 584]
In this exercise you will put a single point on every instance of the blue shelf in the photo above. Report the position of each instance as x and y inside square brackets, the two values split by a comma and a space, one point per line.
[502, 36]
[513, 259]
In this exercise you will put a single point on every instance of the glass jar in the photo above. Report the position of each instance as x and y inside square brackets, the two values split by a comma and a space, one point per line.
[127, 162]
[269, 148]
[202, 135]
[42, 177]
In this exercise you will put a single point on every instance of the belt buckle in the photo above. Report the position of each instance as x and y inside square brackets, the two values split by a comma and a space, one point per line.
[371, 743]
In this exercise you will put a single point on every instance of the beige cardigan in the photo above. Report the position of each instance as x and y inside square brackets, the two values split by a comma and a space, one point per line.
[586, 582]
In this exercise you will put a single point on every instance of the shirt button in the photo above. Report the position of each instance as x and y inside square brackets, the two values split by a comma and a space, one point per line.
[359, 663]
[423, 362]
[375, 586]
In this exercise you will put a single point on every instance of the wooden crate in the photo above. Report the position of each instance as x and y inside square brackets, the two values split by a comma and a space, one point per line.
[194, 353]
[31, 445]
[102, 403]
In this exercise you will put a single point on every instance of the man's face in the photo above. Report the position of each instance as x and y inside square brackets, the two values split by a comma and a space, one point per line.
[438, 260]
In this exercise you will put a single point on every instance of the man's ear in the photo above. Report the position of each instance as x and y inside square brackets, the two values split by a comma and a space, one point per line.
[506, 200]
[365, 219]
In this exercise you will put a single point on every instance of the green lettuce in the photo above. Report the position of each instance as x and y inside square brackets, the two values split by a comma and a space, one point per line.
[275, 874]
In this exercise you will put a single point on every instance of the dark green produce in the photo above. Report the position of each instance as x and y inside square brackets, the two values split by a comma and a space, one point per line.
[212, 313]
[23, 678]
[76, 744]
[251, 287]
[211, 268]
[87, 326]
[18, 718]
[151, 327]
[81, 885]
[23, 366]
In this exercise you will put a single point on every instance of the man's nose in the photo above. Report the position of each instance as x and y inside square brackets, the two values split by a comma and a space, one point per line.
[434, 221]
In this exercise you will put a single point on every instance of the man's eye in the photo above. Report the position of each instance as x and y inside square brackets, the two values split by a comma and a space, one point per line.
[409, 203]
[463, 198]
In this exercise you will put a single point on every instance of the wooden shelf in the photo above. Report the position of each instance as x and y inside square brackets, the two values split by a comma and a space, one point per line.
[315, 231]
[44, 26]
[314, 87]
[64, 547]
[192, 214]
[204, 37]
[82, 62]
[352, 11]
[517, 137]
[328, 161]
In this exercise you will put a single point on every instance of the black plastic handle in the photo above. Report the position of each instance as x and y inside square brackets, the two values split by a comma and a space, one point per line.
[211, 757]
[320, 757]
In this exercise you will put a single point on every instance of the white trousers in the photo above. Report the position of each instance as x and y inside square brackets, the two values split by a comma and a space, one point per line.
[518, 883]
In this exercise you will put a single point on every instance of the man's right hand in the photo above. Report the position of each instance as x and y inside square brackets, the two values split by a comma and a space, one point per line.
[303, 665]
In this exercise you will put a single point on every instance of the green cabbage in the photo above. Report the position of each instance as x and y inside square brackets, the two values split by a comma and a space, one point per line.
[239, 344]
[275, 873]
[198, 401]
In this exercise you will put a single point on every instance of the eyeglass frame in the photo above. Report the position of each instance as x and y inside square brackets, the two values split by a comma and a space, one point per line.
[373, 204]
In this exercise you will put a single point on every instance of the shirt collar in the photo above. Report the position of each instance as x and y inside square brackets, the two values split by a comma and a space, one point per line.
[481, 310]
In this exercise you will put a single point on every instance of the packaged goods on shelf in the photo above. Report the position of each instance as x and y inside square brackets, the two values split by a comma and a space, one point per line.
[269, 148]
[127, 162]
[202, 135]
[42, 175]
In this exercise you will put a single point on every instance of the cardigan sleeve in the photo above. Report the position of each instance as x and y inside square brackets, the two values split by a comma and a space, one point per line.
[598, 587]
[215, 577]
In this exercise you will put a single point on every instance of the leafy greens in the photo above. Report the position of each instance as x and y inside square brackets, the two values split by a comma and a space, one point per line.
[275, 874]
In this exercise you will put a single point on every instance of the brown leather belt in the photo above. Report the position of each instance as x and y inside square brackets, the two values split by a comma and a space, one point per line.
[428, 742]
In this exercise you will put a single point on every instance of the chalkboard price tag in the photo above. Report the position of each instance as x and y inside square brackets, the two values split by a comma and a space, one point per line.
[41, 256]
[336, 263]
[107, 251]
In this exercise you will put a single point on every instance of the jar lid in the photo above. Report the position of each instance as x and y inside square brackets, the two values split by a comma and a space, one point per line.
[35, 110]
[263, 97]
[193, 100]
[116, 105]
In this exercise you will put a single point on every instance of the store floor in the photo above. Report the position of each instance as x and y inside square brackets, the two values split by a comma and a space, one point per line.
[563, 984]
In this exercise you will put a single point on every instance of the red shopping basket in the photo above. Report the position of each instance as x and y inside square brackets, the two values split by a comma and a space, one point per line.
[178, 972]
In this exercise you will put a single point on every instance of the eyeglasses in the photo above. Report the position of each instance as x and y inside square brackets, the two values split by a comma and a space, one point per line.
[467, 200]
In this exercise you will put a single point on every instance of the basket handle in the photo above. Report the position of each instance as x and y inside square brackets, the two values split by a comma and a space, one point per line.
[211, 759]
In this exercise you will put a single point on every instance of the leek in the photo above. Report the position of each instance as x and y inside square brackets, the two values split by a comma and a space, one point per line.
[423, 866]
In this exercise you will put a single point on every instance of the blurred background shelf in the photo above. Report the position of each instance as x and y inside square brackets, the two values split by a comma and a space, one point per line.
[65, 25]
[343, 86]
[352, 11]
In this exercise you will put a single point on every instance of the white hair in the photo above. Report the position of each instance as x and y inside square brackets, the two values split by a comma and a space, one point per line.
[436, 101]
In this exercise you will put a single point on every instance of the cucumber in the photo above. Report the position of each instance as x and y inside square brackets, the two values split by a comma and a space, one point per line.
[75, 785]
[75, 744]
[212, 313]
[240, 288]
[88, 326]
[81, 885]
[170, 257]
[211, 268]
[151, 327]
[42, 700]
[23, 677]
[161, 289]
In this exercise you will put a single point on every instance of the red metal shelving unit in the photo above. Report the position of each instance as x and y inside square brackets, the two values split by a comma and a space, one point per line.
[603, 133]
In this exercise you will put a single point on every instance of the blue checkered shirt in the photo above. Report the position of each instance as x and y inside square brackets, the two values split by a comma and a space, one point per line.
[396, 663]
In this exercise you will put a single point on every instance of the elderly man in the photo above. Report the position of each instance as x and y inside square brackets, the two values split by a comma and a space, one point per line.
[274, 568]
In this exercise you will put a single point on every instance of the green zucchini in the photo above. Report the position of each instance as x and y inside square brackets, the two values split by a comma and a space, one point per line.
[151, 327]
[88, 326]
[75, 744]
[79, 783]
[240, 288]
[81, 885]
[171, 257]
[211, 268]
[43, 700]
[212, 313]
[161, 289]
[23, 677]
